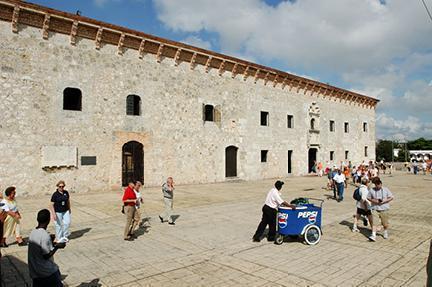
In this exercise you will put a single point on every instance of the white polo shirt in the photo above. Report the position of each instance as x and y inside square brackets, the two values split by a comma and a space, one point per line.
[273, 198]
[339, 178]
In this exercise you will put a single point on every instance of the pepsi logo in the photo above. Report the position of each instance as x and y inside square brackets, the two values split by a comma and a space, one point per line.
[282, 220]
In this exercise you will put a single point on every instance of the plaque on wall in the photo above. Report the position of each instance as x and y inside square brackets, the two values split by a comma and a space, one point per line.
[59, 156]
[88, 160]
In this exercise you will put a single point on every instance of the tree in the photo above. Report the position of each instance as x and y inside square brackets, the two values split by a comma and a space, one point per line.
[384, 150]
[403, 154]
[420, 144]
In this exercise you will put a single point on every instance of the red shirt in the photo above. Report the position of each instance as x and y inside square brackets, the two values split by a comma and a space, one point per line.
[129, 193]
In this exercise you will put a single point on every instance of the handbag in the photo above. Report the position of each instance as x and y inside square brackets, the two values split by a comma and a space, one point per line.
[122, 210]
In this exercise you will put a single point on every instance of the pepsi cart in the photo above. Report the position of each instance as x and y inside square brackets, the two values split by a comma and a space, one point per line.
[303, 221]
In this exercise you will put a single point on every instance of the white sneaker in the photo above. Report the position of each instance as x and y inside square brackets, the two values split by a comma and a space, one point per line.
[385, 235]
[355, 229]
[63, 240]
[372, 238]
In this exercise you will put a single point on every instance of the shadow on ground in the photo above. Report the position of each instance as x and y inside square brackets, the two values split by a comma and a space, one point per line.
[14, 272]
[79, 233]
[93, 283]
[175, 217]
[365, 231]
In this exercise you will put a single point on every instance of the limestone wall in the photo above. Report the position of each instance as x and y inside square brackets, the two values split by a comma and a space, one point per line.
[177, 142]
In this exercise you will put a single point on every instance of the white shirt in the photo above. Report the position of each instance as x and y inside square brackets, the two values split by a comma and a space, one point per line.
[364, 203]
[273, 198]
[339, 178]
[138, 200]
[9, 205]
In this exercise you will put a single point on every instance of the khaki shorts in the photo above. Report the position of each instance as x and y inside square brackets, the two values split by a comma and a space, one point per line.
[383, 215]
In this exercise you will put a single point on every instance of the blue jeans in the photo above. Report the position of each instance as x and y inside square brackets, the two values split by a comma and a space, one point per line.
[340, 190]
[62, 224]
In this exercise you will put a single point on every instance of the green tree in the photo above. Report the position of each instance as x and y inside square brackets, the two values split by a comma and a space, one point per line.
[420, 144]
[402, 157]
[384, 150]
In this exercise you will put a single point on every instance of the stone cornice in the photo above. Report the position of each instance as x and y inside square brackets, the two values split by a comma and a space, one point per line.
[54, 21]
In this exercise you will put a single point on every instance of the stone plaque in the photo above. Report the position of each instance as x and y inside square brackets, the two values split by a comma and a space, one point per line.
[59, 156]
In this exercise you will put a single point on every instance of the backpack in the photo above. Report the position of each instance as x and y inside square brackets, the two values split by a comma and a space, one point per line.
[356, 194]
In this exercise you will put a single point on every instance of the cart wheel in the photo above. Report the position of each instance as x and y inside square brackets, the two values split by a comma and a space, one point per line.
[279, 239]
[312, 235]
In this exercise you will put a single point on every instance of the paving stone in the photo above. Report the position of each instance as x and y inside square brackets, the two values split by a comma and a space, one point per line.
[211, 243]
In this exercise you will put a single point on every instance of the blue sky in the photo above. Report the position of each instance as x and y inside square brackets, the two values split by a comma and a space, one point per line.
[379, 48]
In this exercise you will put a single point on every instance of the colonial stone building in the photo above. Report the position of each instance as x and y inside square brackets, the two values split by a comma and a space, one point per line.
[97, 105]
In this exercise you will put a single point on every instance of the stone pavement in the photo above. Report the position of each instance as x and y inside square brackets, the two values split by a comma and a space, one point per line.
[211, 243]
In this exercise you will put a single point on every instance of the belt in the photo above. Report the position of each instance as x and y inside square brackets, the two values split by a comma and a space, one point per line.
[168, 197]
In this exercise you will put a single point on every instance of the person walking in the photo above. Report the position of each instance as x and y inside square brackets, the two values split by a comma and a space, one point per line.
[61, 212]
[11, 224]
[380, 197]
[269, 212]
[43, 271]
[363, 206]
[129, 202]
[168, 194]
[339, 179]
[139, 201]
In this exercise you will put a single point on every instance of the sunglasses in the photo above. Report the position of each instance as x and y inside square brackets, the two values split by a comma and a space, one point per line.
[61, 186]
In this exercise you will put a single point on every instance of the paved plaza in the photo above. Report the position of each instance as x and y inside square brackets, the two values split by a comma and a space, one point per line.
[211, 245]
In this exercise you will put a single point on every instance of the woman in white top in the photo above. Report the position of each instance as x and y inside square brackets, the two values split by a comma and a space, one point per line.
[11, 225]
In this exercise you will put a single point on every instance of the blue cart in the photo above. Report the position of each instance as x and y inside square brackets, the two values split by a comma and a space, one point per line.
[303, 221]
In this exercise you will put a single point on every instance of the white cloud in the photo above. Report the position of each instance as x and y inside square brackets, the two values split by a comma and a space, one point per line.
[329, 35]
[197, 41]
[408, 128]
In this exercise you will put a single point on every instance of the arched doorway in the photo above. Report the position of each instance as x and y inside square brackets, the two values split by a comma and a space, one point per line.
[132, 162]
[231, 161]
[312, 156]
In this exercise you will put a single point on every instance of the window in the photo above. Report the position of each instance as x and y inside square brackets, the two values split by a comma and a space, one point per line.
[290, 121]
[365, 127]
[312, 124]
[365, 151]
[346, 127]
[346, 154]
[264, 118]
[264, 155]
[208, 113]
[133, 105]
[72, 99]
[332, 126]
[332, 155]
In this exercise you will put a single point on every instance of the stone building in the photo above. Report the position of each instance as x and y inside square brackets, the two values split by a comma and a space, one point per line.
[97, 104]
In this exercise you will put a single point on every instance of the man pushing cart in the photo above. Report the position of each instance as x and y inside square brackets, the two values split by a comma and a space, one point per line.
[269, 213]
[289, 219]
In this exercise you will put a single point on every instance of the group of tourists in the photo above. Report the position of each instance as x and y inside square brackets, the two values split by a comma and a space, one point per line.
[132, 202]
[41, 245]
[372, 205]
[415, 167]
[372, 202]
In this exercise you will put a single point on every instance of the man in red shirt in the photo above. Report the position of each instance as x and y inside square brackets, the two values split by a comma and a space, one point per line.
[129, 201]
